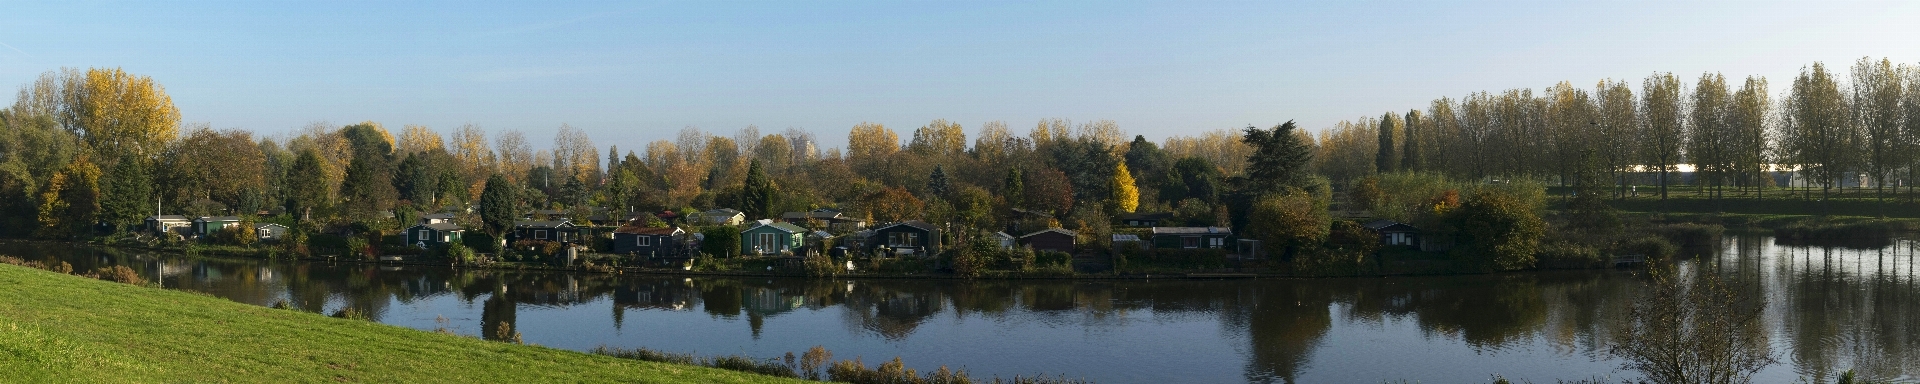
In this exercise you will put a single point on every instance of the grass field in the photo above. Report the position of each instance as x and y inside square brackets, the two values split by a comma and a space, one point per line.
[64, 328]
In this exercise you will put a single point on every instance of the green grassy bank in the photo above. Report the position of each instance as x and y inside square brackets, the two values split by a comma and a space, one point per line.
[65, 328]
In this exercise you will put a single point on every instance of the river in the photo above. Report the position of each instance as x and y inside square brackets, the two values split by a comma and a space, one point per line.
[1829, 309]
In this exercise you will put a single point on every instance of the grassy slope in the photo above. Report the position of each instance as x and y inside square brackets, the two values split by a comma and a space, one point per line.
[60, 328]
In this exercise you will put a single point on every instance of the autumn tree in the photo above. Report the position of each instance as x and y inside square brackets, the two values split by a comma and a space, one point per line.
[893, 204]
[1617, 118]
[110, 109]
[70, 201]
[1048, 190]
[218, 166]
[1663, 117]
[1125, 196]
[1817, 134]
[1291, 219]
[868, 147]
[1414, 141]
[1878, 90]
[368, 183]
[1708, 136]
[1498, 230]
[1750, 122]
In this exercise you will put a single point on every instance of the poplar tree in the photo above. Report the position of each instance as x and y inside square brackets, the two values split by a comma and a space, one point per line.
[1877, 93]
[1126, 196]
[1816, 134]
[1748, 121]
[1410, 157]
[1662, 118]
[1708, 135]
[1388, 155]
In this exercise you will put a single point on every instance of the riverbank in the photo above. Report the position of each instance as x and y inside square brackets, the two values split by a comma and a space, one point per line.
[56, 327]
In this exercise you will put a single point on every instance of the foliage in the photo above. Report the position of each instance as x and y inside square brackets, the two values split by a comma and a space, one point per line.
[497, 205]
[1279, 160]
[720, 241]
[70, 201]
[1126, 196]
[126, 192]
[758, 196]
[308, 193]
[818, 264]
[1497, 229]
[1365, 194]
[893, 204]
[1290, 220]
[1702, 331]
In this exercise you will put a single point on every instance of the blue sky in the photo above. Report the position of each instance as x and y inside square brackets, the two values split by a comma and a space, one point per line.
[630, 73]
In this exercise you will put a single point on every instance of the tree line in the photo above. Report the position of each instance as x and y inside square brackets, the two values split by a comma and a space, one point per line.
[1826, 127]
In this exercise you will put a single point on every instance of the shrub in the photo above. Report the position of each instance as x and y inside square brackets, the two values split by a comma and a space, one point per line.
[63, 268]
[351, 313]
[1653, 247]
[819, 265]
[120, 274]
[1568, 255]
[1498, 228]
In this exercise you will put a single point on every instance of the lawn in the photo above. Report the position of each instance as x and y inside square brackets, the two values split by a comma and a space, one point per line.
[64, 328]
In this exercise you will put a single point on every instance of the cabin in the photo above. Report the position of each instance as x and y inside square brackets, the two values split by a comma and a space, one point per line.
[164, 224]
[772, 238]
[1003, 240]
[1144, 220]
[906, 238]
[270, 231]
[562, 230]
[1124, 242]
[1050, 239]
[208, 225]
[818, 240]
[547, 215]
[436, 218]
[427, 235]
[638, 239]
[723, 216]
[1190, 237]
[1394, 232]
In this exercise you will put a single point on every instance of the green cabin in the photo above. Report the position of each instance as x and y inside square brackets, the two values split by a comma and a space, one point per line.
[772, 239]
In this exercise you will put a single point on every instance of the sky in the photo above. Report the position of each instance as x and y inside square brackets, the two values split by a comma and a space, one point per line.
[628, 73]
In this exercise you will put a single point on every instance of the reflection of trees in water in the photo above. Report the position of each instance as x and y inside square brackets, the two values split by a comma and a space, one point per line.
[892, 309]
[1848, 309]
[1285, 323]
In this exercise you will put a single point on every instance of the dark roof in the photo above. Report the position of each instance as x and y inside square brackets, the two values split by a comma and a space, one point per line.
[440, 226]
[722, 211]
[264, 225]
[782, 226]
[1384, 224]
[1002, 235]
[218, 218]
[1147, 216]
[922, 225]
[541, 224]
[168, 217]
[822, 234]
[632, 229]
[1062, 231]
[1192, 231]
[1126, 237]
[437, 216]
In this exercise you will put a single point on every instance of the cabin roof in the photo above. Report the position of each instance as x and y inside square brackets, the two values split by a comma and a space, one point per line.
[439, 226]
[1192, 231]
[1062, 231]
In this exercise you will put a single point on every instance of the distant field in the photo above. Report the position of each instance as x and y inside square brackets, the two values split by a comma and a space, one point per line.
[63, 328]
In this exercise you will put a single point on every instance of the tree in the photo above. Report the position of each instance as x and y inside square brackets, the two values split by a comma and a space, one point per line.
[938, 184]
[1878, 90]
[1817, 134]
[1048, 190]
[1365, 194]
[1388, 155]
[1291, 219]
[1663, 116]
[758, 195]
[1708, 138]
[1126, 196]
[1410, 156]
[1013, 188]
[1279, 159]
[368, 185]
[1618, 119]
[498, 206]
[128, 191]
[893, 204]
[1498, 229]
[1749, 122]
[1146, 159]
[868, 147]
[110, 109]
[720, 241]
[1703, 332]
[220, 166]
[70, 202]
[307, 191]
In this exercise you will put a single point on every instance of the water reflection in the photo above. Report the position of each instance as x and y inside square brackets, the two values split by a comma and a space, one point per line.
[1831, 309]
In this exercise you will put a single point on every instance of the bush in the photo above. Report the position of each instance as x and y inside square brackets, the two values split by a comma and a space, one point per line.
[120, 274]
[1652, 247]
[1692, 235]
[819, 264]
[1568, 255]
[721, 241]
[1498, 229]
[351, 313]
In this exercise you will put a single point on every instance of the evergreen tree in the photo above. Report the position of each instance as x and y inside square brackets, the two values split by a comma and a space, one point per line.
[1146, 159]
[757, 196]
[1279, 159]
[497, 206]
[129, 192]
[1015, 188]
[938, 184]
[1415, 126]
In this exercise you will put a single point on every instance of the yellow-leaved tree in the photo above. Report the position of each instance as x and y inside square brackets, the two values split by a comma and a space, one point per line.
[1126, 196]
[121, 112]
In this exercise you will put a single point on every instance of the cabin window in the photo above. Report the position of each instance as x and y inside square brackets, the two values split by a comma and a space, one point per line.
[540, 234]
[640, 240]
[1190, 242]
[1216, 242]
[424, 234]
[903, 239]
[769, 242]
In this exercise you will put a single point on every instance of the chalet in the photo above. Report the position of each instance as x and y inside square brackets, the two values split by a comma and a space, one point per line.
[818, 240]
[1394, 232]
[270, 231]
[907, 237]
[561, 230]
[1123, 241]
[1003, 240]
[164, 224]
[432, 234]
[208, 225]
[1145, 219]
[547, 215]
[1050, 239]
[1191, 237]
[638, 239]
[436, 218]
[772, 239]
[723, 216]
